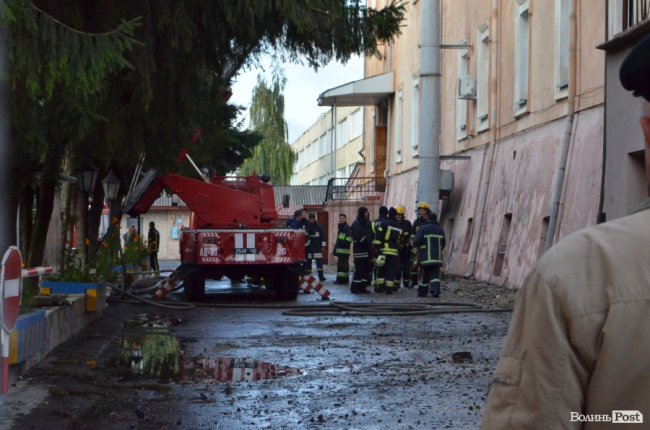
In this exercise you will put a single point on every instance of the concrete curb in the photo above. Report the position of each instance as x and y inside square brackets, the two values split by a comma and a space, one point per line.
[40, 331]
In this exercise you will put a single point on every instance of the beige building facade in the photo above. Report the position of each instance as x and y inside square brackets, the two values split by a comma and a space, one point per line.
[316, 163]
[508, 76]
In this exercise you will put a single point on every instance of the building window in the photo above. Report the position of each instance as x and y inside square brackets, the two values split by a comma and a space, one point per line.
[482, 77]
[615, 17]
[415, 116]
[461, 101]
[342, 136]
[468, 236]
[356, 124]
[398, 127]
[522, 37]
[502, 244]
[322, 145]
[561, 48]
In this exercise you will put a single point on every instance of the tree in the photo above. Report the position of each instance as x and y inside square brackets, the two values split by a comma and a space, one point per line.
[107, 80]
[273, 155]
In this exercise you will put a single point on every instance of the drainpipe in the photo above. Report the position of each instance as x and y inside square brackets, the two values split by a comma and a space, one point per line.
[429, 124]
[489, 152]
[333, 143]
[568, 130]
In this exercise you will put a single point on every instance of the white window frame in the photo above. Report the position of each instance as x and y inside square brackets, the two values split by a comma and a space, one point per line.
[397, 140]
[561, 81]
[522, 55]
[415, 116]
[342, 137]
[614, 17]
[356, 124]
[461, 104]
[482, 77]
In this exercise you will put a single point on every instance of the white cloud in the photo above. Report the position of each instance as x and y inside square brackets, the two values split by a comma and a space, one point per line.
[302, 90]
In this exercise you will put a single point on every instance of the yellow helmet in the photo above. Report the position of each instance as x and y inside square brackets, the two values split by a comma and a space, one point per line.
[401, 210]
[424, 205]
[380, 261]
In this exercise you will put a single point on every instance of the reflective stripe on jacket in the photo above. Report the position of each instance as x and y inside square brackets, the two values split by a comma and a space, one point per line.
[430, 241]
[388, 234]
[343, 240]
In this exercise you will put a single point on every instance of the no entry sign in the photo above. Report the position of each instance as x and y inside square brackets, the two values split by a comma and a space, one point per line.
[11, 287]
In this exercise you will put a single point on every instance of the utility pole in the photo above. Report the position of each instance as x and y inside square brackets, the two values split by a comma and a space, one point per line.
[429, 123]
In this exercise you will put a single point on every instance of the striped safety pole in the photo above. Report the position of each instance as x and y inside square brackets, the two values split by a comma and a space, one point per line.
[30, 272]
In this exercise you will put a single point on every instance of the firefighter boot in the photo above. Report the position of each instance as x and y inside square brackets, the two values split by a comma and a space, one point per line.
[422, 290]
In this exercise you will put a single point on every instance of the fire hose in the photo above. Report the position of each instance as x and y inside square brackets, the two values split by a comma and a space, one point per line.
[389, 309]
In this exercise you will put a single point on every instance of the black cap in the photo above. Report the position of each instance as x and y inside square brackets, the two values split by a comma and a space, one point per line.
[392, 212]
[383, 210]
[635, 70]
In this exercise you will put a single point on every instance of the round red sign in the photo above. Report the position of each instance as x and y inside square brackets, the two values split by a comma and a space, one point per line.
[11, 286]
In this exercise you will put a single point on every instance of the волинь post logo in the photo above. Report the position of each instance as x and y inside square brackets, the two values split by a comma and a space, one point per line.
[616, 417]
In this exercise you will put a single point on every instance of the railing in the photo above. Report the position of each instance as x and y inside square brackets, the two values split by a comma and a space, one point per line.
[635, 12]
[360, 189]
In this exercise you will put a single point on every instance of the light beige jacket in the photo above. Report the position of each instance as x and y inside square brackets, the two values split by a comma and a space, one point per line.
[579, 339]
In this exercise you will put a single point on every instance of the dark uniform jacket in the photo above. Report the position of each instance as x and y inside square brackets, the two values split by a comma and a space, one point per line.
[388, 233]
[343, 240]
[406, 227]
[294, 224]
[362, 238]
[316, 238]
[430, 241]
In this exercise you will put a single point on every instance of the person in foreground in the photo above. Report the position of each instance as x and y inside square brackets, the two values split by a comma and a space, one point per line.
[577, 354]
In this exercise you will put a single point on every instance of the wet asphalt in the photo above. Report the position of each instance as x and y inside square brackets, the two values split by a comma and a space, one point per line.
[370, 372]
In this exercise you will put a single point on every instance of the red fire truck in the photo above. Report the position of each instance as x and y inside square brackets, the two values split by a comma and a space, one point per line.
[233, 231]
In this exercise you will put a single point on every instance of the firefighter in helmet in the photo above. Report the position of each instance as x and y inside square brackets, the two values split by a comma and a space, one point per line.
[404, 250]
[376, 242]
[388, 234]
[342, 251]
[361, 249]
[316, 244]
[423, 210]
[430, 241]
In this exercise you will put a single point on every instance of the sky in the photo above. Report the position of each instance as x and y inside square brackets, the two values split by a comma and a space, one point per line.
[301, 92]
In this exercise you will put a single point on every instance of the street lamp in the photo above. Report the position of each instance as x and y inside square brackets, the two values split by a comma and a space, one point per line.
[111, 185]
[86, 178]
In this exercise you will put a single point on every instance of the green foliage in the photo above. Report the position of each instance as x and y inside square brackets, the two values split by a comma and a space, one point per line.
[107, 81]
[273, 155]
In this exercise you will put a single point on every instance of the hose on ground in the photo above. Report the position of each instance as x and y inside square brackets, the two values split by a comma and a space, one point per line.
[138, 299]
[391, 309]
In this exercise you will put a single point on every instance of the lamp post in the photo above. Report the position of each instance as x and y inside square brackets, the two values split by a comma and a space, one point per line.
[111, 185]
[86, 178]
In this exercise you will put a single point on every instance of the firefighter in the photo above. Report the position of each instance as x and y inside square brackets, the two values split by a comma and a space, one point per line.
[374, 253]
[388, 234]
[342, 251]
[424, 210]
[404, 271]
[361, 247]
[316, 245]
[296, 223]
[430, 241]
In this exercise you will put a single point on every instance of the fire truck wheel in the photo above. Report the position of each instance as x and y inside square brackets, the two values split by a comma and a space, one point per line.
[194, 286]
[286, 285]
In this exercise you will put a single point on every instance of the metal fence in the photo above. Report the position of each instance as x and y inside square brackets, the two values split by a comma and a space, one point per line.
[635, 12]
[357, 189]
